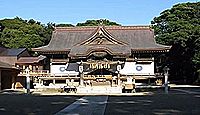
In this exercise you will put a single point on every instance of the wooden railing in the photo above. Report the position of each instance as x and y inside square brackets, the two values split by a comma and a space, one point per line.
[35, 73]
[98, 77]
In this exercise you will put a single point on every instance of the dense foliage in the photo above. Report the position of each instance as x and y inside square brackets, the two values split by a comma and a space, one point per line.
[180, 27]
[98, 22]
[16, 33]
[64, 25]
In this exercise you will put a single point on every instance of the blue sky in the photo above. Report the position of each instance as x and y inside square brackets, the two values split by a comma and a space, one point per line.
[125, 12]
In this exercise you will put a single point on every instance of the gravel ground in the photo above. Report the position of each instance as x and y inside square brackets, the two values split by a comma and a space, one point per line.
[22, 104]
[184, 101]
[156, 104]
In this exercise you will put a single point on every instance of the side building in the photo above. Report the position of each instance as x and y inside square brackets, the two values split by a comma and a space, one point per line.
[8, 70]
[13, 63]
[8, 75]
[103, 56]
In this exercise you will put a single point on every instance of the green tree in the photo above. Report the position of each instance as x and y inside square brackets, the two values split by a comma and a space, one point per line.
[180, 27]
[18, 33]
[46, 34]
[98, 22]
[64, 25]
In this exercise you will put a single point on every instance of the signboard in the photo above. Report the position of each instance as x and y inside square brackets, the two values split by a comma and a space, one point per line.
[100, 65]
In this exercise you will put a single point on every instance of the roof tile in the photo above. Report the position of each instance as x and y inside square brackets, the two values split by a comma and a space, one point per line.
[137, 37]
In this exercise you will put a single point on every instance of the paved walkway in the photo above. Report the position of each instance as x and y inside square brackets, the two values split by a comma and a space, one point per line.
[88, 105]
[186, 91]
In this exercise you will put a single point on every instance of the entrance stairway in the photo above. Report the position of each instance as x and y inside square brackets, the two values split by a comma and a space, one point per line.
[106, 83]
[105, 90]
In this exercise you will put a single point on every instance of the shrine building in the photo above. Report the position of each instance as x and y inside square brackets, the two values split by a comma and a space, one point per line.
[115, 58]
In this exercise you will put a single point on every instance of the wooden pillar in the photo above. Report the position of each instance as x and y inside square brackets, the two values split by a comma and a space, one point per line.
[81, 79]
[23, 69]
[134, 86]
[13, 80]
[133, 80]
[0, 80]
[149, 81]
[67, 81]
[30, 67]
[40, 81]
[118, 79]
[111, 82]
[54, 81]
[34, 68]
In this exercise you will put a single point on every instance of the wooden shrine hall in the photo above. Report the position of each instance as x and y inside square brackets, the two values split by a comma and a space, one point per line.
[115, 57]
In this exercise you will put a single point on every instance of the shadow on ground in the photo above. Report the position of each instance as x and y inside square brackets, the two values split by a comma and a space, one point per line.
[23, 104]
[156, 104]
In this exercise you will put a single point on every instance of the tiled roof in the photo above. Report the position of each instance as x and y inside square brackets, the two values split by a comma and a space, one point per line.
[72, 67]
[30, 60]
[11, 52]
[116, 40]
[6, 66]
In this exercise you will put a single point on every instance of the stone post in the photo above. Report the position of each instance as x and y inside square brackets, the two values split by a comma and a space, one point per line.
[118, 75]
[166, 69]
[81, 74]
[27, 81]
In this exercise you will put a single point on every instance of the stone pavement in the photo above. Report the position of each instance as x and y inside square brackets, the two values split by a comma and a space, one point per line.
[179, 100]
[186, 91]
[88, 105]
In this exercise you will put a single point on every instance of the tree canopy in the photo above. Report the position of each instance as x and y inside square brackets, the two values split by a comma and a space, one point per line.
[98, 22]
[64, 25]
[16, 33]
[180, 27]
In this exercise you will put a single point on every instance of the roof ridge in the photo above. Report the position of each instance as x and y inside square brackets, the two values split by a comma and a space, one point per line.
[106, 27]
[76, 27]
[127, 27]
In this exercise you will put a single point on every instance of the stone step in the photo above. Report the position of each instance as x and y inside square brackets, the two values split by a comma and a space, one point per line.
[107, 83]
[99, 90]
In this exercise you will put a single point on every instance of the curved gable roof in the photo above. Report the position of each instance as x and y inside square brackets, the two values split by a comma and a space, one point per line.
[118, 39]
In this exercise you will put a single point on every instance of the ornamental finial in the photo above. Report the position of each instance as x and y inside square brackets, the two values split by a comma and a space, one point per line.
[101, 22]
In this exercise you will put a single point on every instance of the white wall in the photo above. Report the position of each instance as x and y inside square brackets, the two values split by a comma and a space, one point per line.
[56, 69]
[131, 68]
[60, 70]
